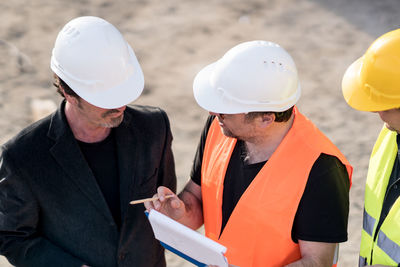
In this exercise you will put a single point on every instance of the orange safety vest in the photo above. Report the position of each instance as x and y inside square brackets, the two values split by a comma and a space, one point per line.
[258, 232]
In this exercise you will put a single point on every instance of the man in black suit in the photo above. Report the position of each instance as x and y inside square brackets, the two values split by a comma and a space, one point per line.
[66, 180]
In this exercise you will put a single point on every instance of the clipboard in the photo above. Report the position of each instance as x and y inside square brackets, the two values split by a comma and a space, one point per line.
[185, 242]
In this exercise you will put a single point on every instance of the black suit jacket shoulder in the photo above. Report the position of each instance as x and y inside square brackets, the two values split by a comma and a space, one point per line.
[52, 211]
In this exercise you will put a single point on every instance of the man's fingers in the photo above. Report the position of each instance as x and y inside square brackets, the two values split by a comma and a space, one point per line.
[162, 191]
[157, 204]
[167, 203]
[151, 204]
[175, 203]
[148, 205]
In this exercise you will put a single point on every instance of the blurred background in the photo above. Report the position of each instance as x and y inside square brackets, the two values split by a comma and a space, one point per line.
[174, 39]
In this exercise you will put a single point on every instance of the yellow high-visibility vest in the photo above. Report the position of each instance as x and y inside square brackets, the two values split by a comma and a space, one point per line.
[385, 248]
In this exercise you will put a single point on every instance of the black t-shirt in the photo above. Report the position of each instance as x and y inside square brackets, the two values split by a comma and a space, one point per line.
[102, 160]
[322, 213]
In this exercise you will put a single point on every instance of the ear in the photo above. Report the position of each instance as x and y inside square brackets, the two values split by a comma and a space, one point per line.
[71, 99]
[267, 119]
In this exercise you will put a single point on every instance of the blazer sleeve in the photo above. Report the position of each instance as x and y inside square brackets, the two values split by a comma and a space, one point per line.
[167, 175]
[20, 239]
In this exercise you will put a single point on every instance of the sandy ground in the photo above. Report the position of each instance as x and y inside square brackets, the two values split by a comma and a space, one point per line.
[174, 39]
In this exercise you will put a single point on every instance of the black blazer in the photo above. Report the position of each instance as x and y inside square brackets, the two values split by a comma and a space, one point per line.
[52, 212]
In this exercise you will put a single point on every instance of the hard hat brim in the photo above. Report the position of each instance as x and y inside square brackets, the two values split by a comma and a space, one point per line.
[208, 97]
[354, 92]
[212, 99]
[114, 97]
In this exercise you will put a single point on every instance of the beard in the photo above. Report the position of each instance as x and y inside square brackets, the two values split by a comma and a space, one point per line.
[113, 122]
[229, 133]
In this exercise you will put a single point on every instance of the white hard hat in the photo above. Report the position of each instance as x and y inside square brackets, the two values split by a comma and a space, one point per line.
[92, 57]
[252, 76]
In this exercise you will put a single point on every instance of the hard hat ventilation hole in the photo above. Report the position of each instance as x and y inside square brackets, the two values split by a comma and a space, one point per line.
[67, 29]
[71, 31]
[278, 66]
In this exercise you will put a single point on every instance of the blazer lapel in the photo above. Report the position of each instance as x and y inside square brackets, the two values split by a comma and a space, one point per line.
[67, 153]
[127, 142]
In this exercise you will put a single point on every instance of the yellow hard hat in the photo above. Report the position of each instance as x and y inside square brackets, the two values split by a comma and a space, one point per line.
[372, 83]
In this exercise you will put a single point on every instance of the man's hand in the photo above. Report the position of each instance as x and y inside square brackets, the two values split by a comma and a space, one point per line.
[186, 209]
[173, 207]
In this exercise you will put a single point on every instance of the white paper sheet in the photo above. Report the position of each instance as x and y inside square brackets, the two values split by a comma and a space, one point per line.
[186, 240]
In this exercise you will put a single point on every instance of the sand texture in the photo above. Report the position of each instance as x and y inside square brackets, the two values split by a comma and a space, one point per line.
[174, 39]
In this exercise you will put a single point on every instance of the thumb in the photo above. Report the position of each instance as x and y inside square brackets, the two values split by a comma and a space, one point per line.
[175, 203]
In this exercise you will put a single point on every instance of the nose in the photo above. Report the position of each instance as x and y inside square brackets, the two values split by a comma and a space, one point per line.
[219, 115]
[381, 114]
[121, 109]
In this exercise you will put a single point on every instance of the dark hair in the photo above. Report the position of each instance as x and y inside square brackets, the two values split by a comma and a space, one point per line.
[279, 116]
[58, 82]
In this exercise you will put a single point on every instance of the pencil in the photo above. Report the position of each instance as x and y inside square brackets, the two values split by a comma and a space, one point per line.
[138, 201]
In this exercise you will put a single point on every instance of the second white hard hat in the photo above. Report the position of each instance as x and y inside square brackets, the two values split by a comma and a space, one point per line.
[93, 58]
[252, 76]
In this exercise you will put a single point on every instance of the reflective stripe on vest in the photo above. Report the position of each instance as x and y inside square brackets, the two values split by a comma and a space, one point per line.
[385, 249]
[383, 242]
[362, 262]
[252, 238]
[368, 223]
[389, 247]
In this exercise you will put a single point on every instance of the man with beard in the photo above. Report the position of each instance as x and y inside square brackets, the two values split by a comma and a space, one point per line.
[66, 180]
[266, 183]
